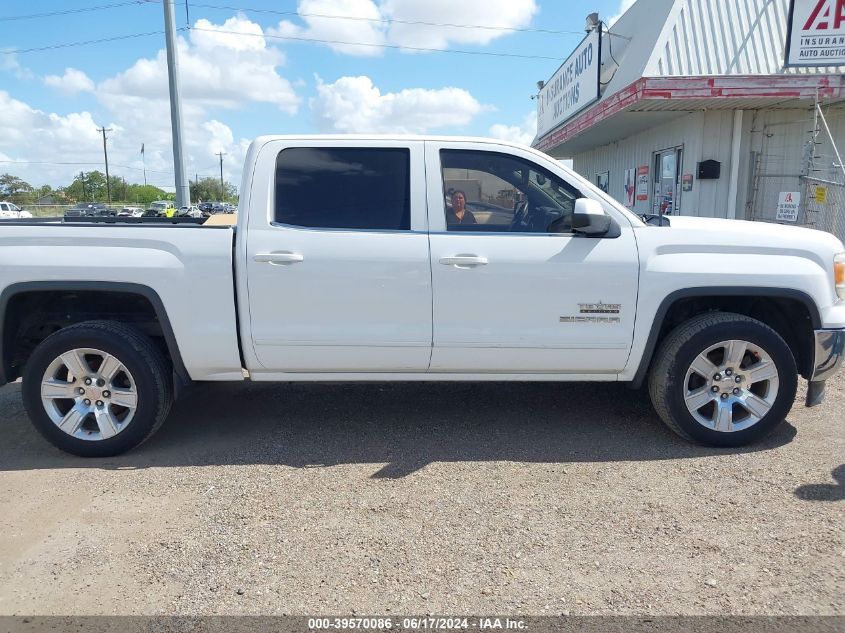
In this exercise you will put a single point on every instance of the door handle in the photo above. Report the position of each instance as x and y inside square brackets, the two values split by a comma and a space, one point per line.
[278, 259]
[464, 260]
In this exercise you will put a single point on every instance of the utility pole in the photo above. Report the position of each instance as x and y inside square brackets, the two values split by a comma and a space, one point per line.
[82, 180]
[106, 156]
[183, 192]
[222, 190]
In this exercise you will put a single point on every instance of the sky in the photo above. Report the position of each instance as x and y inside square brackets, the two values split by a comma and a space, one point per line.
[253, 67]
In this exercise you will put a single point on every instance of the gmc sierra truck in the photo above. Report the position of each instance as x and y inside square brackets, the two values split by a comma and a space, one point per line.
[364, 258]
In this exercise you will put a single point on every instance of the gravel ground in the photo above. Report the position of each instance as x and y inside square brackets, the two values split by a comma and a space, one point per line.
[425, 498]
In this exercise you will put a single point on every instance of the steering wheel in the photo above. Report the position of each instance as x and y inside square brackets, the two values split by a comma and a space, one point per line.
[519, 216]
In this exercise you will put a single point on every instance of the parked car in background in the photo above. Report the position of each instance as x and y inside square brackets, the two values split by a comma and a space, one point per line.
[189, 212]
[163, 208]
[131, 212]
[206, 208]
[89, 210]
[10, 211]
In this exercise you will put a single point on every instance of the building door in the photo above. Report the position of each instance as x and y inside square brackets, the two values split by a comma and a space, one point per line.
[667, 181]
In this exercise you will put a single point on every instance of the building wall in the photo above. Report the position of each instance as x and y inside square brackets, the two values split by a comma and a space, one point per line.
[772, 149]
[703, 135]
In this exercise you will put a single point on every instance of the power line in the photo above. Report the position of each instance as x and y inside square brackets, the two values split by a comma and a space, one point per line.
[392, 46]
[386, 20]
[16, 51]
[277, 37]
[9, 18]
[45, 162]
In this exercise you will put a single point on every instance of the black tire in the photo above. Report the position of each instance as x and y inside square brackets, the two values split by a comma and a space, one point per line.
[683, 345]
[149, 368]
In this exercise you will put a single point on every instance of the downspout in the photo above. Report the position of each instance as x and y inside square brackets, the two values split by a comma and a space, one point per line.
[733, 183]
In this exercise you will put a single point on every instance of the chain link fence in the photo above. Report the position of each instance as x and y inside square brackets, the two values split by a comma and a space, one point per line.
[814, 172]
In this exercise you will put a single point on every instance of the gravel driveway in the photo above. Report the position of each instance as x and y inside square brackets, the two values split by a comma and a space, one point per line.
[425, 498]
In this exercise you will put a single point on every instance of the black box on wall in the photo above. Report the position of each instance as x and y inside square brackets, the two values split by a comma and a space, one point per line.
[709, 169]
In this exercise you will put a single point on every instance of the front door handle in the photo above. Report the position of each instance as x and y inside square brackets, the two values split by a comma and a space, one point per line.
[460, 261]
[278, 259]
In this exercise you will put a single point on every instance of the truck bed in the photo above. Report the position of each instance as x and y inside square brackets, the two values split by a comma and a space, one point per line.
[186, 269]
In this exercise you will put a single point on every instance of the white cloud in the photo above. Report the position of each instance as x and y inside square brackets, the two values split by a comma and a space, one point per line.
[523, 133]
[624, 5]
[362, 25]
[354, 104]
[498, 14]
[28, 134]
[409, 23]
[9, 63]
[226, 65]
[220, 65]
[71, 82]
[37, 138]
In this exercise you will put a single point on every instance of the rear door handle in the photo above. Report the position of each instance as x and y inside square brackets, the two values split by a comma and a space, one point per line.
[468, 261]
[278, 258]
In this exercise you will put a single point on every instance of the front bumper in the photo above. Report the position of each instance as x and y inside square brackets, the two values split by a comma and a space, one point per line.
[827, 359]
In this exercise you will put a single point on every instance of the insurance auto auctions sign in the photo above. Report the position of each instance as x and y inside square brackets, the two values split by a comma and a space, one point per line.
[573, 87]
[815, 34]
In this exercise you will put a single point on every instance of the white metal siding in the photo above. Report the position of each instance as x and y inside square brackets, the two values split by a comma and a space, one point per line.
[703, 135]
[736, 37]
[778, 135]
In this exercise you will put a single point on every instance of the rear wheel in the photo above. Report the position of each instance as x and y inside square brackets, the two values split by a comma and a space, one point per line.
[97, 389]
[723, 379]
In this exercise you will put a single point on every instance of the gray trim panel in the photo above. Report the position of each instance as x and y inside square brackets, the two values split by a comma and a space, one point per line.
[715, 291]
[95, 286]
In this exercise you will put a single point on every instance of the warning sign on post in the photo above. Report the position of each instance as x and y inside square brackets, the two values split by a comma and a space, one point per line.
[788, 203]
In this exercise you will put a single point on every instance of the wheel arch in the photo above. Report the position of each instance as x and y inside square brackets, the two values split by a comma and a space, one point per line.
[748, 300]
[15, 292]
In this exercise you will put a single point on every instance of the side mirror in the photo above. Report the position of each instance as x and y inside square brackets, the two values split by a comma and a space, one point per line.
[589, 217]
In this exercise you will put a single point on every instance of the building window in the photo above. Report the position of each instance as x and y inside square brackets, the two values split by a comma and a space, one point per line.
[603, 181]
[344, 188]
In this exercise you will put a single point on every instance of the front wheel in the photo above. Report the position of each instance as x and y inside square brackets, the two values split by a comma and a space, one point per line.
[723, 379]
[97, 389]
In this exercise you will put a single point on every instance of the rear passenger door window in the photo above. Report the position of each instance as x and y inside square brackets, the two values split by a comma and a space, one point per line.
[343, 188]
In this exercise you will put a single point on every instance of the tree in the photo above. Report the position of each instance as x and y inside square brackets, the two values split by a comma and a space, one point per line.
[207, 189]
[144, 194]
[14, 188]
[88, 187]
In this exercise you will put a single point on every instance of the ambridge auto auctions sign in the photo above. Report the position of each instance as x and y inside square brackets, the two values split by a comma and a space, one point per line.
[815, 34]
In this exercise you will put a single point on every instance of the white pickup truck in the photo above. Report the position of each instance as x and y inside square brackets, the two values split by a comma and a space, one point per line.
[363, 258]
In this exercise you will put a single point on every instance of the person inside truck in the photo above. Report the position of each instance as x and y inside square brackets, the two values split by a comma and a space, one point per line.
[459, 214]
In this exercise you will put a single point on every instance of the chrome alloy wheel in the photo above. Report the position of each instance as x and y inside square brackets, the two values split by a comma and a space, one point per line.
[89, 394]
[731, 386]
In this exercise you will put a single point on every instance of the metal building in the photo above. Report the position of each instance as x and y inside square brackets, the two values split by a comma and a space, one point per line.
[688, 107]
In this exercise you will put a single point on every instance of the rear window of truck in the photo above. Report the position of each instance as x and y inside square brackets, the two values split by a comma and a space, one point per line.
[365, 188]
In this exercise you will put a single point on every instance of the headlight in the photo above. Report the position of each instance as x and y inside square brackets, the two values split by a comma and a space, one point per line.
[839, 275]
